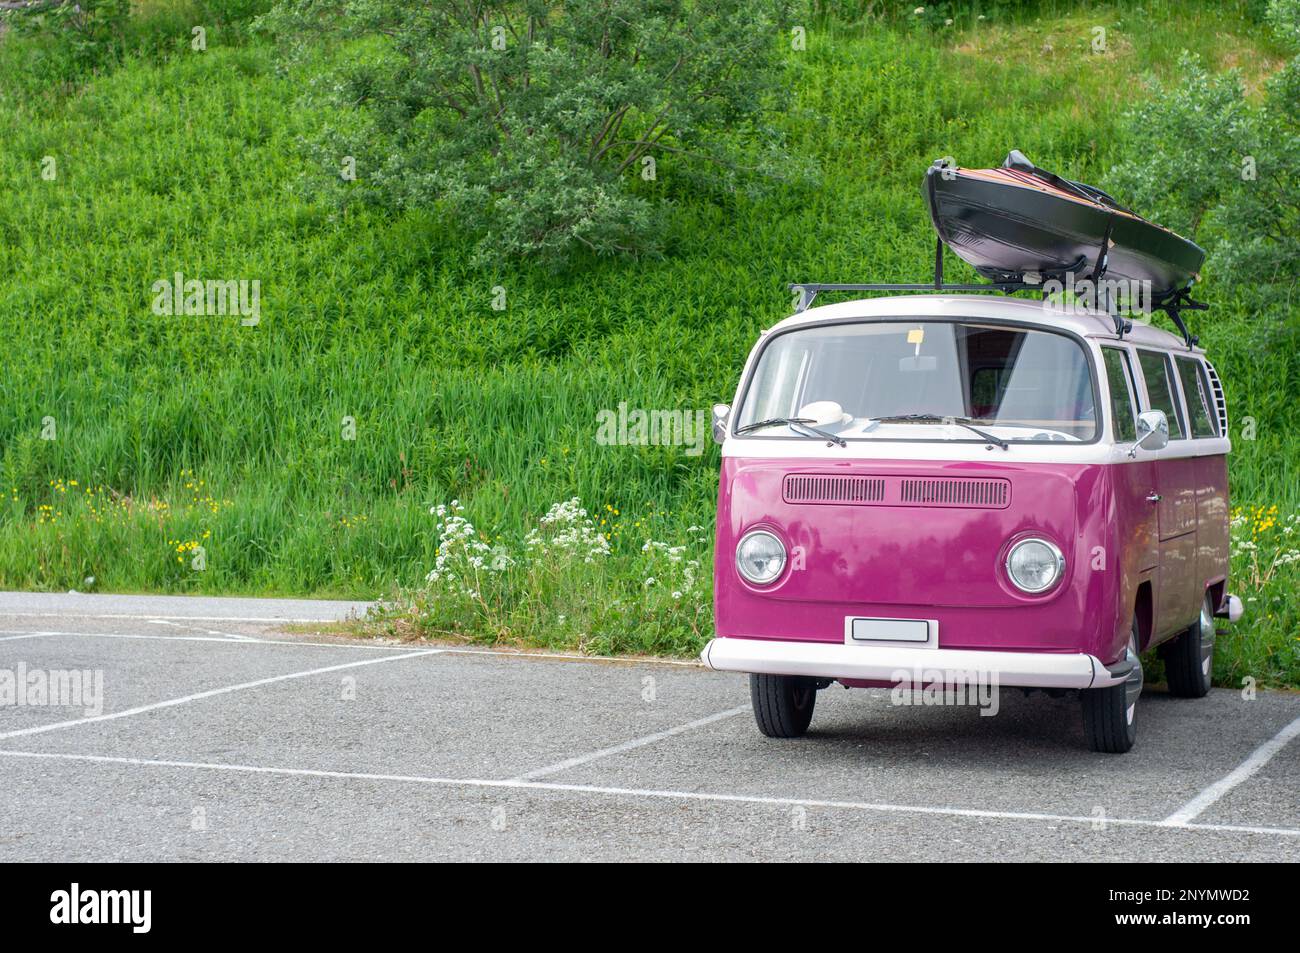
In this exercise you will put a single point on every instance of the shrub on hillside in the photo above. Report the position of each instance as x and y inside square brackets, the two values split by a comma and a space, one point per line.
[549, 127]
[1210, 164]
[66, 42]
[1187, 147]
[1261, 223]
[1284, 17]
[80, 36]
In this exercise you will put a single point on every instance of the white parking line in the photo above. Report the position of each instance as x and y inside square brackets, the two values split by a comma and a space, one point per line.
[25, 635]
[395, 647]
[180, 618]
[653, 793]
[1258, 758]
[197, 696]
[391, 647]
[629, 745]
[199, 628]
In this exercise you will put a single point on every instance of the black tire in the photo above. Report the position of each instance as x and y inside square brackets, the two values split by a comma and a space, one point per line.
[1189, 658]
[783, 704]
[1109, 713]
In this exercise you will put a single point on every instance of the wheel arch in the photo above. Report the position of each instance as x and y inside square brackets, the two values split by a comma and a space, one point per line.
[1216, 589]
[1144, 612]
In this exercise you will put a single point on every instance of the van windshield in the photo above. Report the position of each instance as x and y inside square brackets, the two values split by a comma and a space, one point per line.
[1020, 384]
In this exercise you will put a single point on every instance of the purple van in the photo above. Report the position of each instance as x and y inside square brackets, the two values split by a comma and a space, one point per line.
[948, 487]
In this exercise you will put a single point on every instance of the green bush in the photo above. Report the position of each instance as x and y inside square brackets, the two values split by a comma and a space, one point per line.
[1185, 147]
[1208, 163]
[1284, 17]
[62, 44]
[549, 128]
[78, 37]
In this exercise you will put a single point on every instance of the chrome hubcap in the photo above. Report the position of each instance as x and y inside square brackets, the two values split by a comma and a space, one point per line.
[1133, 684]
[1207, 639]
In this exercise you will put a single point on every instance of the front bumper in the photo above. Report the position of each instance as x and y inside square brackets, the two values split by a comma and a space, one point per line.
[885, 663]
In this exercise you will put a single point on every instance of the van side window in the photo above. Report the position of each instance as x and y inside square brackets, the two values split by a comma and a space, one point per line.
[1161, 393]
[1196, 390]
[1121, 394]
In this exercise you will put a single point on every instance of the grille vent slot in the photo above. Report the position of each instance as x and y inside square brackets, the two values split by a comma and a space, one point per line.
[948, 491]
[824, 488]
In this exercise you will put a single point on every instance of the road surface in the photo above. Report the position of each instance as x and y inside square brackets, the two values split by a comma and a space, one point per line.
[218, 736]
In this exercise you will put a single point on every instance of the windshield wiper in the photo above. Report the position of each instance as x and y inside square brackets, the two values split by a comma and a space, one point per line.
[792, 423]
[937, 419]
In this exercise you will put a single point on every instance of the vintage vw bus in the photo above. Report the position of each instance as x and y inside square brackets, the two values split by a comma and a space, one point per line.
[962, 484]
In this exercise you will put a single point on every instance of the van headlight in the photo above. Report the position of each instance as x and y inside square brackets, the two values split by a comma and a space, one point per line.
[1035, 565]
[760, 557]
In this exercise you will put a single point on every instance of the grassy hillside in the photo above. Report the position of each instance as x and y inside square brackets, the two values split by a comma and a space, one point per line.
[171, 433]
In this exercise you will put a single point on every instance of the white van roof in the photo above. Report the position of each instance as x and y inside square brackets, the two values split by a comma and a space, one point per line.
[1096, 324]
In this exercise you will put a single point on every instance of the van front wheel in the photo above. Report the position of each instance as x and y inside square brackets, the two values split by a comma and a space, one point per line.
[1109, 713]
[783, 704]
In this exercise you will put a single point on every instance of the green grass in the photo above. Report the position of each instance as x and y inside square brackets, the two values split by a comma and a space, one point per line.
[183, 161]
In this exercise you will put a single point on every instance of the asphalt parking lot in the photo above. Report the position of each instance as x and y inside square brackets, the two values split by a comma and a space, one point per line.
[221, 737]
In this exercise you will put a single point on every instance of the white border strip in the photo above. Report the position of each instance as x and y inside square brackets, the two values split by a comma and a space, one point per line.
[652, 793]
[629, 745]
[1258, 758]
[197, 696]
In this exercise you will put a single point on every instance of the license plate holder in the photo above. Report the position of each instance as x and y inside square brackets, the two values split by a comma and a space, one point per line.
[865, 630]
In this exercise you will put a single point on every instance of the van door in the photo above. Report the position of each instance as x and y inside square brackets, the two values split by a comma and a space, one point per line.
[1174, 495]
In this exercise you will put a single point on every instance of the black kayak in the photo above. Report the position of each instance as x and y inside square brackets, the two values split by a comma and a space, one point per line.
[1021, 220]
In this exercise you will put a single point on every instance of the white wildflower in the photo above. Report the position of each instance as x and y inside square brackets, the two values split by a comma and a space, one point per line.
[568, 530]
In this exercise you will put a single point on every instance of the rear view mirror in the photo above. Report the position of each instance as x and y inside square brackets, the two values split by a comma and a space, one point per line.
[721, 414]
[922, 362]
[1152, 431]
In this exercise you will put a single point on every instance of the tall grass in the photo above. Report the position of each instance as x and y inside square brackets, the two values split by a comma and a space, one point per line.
[176, 160]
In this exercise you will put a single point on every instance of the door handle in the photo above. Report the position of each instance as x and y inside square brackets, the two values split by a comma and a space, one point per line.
[1153, 497]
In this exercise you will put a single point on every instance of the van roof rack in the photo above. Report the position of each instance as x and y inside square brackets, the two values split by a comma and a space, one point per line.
[1172, 304]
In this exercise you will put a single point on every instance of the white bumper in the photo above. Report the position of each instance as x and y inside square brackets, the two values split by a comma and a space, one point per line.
[884, 663]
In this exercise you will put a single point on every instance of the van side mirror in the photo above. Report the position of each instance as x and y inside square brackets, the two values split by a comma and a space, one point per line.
[721, 415]
[1152, 431]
